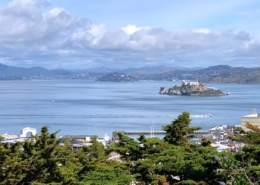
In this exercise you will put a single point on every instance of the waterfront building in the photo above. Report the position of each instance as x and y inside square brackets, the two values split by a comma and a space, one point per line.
[11, 139]
[7, 136]
[252, 119]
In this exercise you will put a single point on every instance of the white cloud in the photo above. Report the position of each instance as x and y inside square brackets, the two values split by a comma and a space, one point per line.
[131, 29]
[57, 38]
[201, 30]
[97, 31]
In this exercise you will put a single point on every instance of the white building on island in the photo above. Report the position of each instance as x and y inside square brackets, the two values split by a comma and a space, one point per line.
[190, 83]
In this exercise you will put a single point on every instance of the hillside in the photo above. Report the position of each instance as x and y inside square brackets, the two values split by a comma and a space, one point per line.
[19, 73]
[116, 77]
[242, 78]
[213, 74]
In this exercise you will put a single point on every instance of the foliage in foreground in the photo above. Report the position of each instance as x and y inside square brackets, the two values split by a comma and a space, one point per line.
[171, 160]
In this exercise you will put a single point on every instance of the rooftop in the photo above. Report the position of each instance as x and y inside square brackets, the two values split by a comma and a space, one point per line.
[253, 115]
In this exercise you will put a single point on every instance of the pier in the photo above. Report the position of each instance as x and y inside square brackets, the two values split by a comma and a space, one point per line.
[197, 134]
[143, 132]
[158, 132]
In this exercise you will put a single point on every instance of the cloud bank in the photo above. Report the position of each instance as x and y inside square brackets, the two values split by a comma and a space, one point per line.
[35, 34]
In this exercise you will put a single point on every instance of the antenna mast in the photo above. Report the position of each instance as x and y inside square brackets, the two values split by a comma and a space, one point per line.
[254, 111]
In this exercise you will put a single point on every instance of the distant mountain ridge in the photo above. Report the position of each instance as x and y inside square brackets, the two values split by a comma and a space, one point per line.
[156, 68]
[11, 70]
[37, 69]
[213, 74]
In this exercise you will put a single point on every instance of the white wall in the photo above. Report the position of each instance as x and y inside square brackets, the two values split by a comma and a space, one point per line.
[254, 120]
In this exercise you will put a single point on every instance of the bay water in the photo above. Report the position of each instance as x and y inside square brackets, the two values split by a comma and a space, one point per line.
[95, 108]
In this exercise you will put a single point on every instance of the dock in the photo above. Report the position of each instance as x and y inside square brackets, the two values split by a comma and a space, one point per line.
[143, 132]
[158, 132]
[197, 134]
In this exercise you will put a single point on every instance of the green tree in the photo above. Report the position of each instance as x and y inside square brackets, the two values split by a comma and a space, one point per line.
[40, 160]
[144, 169]
[179, 131]
[244, 166]
[10, 164]
[107, 172]
[173, 160]
[188, 164]
[96, 149]
[40, 155]
[128, 148]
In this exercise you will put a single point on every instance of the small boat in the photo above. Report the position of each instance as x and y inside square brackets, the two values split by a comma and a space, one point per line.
[228, 93]
[208, 115]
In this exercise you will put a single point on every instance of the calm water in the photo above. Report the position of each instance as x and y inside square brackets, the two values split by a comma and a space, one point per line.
[88, 107]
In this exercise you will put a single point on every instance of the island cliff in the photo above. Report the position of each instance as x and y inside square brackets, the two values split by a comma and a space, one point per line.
[191, 89]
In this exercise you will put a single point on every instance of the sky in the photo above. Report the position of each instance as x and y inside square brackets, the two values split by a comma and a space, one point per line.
[79, 34]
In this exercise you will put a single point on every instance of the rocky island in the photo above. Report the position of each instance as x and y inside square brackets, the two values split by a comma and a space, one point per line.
[192, 89]
[116, 77]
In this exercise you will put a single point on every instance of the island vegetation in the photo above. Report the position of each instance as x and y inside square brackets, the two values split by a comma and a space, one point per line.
[191, 89]
[171, 160]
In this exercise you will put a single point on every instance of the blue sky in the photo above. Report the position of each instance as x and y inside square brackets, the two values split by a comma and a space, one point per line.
[85, 33]
[169, 15]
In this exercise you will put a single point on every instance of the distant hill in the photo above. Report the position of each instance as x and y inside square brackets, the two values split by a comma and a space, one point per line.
[133, 70]
[117, 77]
[213, 74]
[98, 70]
[10, 70]
[242, 78]
[156, 69]
[228, 74]
[19, 73]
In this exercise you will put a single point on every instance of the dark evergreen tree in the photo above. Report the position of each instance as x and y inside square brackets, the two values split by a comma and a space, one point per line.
[173, 160]
[179, 131]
